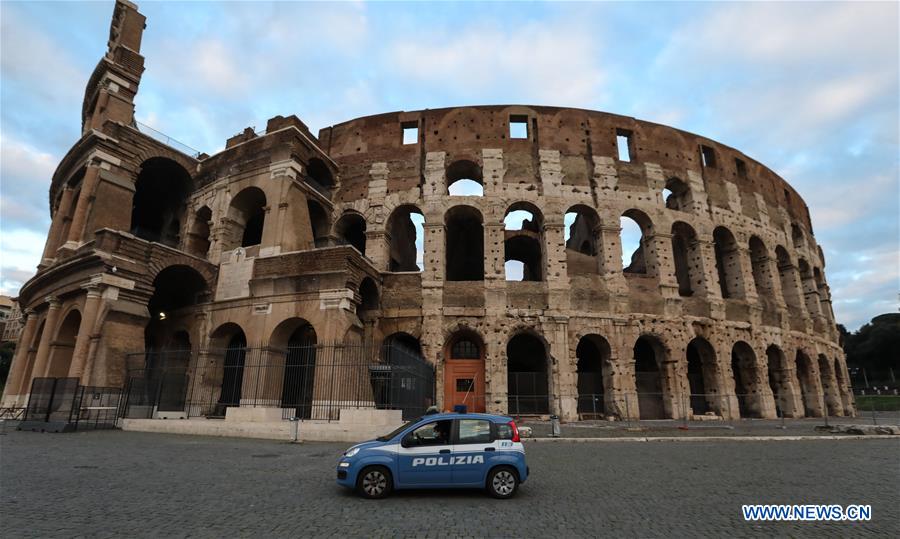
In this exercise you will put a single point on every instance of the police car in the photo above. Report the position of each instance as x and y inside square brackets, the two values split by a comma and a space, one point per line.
[448, 450]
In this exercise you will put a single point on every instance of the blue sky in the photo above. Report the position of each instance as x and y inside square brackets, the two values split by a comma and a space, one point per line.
[810, 89]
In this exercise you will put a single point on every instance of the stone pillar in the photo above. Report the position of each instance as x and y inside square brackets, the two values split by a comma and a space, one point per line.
[563, 389]
[85, 332]
[610, 239]
[59, 225]
[41, 363]
[83, 206]
[378, 248]
[711, 280]
[554, 264]
[830, 390]
[660, 244]
[494, 264]
[17, 373]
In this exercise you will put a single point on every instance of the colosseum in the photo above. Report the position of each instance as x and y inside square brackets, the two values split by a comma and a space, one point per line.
[482, 241]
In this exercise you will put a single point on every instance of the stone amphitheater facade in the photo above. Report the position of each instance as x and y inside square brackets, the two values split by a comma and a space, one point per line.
[725, 299]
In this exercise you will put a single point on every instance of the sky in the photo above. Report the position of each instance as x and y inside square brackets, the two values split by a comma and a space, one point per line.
[809, 89]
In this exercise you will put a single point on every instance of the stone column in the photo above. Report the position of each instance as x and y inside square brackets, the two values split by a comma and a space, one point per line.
[83, 340]
[830, 389]
[612, 267]
[711, 280]
[41, 363]
[58, 225]
[20, 361]
[82, 207]
[660, 245]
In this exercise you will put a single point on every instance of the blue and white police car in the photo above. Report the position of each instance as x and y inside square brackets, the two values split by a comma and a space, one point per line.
[449, 450]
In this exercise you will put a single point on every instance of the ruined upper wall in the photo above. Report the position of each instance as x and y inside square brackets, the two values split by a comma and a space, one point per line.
[579, 135]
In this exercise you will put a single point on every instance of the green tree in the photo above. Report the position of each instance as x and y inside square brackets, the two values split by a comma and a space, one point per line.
[876, 345]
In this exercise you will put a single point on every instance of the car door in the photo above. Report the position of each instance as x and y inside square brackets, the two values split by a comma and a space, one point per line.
[473, 451]
[424, 457]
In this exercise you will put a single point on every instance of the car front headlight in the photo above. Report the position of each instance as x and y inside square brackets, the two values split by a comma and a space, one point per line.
[352, 451]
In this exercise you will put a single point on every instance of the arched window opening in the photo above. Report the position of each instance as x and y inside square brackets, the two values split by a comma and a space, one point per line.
[807, 379]
[688, 259]
[677, 195]
[523, 243]
[228, 351]
[350, 229]
[368, 293]
[63, 346]
[198, 238]
[797, 235]
[728, 263]
[701, 372]
[787, 274]
[465, 348]
[318, 223]
[759, 261]
[636, 227]
[527, 380]
[465, 244]
[746, 380]
[464, 179]
[648, 355]
[827, 378]
[175, 290]
[319, 176]
[300, 370]
[246, 219]
[780, 382]
[582, 237]
[407, 234]
[161, 189]
[593, 355]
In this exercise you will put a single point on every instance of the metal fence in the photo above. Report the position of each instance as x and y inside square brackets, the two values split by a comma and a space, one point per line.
[63, 404]
[527, 393]
[306, 382]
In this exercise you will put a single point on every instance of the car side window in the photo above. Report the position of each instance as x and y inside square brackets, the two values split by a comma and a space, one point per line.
[474, 431]
[434, 433]
[504, 432]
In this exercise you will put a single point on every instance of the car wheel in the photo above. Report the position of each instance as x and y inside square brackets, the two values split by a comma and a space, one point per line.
[502, 482]
[374, 482]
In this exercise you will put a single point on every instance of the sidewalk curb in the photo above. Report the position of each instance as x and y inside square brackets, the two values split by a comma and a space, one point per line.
[718, 438]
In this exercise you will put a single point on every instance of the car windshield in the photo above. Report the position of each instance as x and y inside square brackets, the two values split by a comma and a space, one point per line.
[396, 431]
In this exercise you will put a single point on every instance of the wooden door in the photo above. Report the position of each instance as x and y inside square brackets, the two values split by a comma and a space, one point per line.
[464, 384]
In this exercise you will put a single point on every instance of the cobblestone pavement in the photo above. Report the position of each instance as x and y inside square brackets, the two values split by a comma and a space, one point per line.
[744, 427]
[113, 483]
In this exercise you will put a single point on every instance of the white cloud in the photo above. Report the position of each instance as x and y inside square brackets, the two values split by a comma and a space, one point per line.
[543, 63]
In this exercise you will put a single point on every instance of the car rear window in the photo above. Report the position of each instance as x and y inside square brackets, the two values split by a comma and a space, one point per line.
[504, 431]
[474, 431]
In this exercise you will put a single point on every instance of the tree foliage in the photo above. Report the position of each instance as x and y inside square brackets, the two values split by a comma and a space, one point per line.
[876, 345]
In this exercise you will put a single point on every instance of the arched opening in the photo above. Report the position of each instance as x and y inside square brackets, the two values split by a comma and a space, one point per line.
[677, 195]
[64, 345]
[728, 263]
[465, 244]
[829, 387]
[759, 260]
[797, 235]
[701, 372]
[523, 243]
[245, 219]
[299, 369]
[649, 354]
[464, 179]
[810, 292]
[350, 229]
[464, 371]
[787, 274]
[746, 380]
[230, 337]
[368, 297]
[527, 379]
[636, 229]
[395, 388]
[175, 289]
[198, 238]
[161, 189]
[807, 379]
[319, 176]
[406, 230]
[319, 223]
[780, 382]
[583, 245]
[688, 259]
[824, 298]
[65, 208]
[168, 372]
[593, 355]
